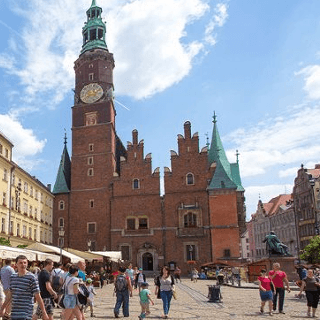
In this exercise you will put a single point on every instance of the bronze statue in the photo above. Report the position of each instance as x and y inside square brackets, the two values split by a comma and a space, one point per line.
[274, 246]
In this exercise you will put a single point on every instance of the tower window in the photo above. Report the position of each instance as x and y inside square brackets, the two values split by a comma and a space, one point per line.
[91, 203]
[90, 172]
[131, 224]
[91, 76]
[190, 179]
[91, 147]
[93, 34]
[91, 227]
[61, 222]
[90, 160]
[190, 220]
[85, 37]
[61, 205]
[100, 34]
[135, 184]
[143, 223]
[90, 66]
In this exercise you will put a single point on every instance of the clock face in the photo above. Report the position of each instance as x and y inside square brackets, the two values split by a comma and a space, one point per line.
[91, 93]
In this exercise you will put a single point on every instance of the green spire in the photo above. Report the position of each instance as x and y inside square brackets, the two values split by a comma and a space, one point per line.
[63, 180]
[94, 31]
[226, 175]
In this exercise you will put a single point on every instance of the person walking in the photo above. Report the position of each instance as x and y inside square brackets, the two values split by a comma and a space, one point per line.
[311, 285]
[71, 289]
[90, 301]
[130, 273]
[5, 274]
[123, 290]
[23, 290]
[165, 284]
[279, 278]
[46, 291]
[140, 278]
[145, 299]
[265, 289]
[177, 274]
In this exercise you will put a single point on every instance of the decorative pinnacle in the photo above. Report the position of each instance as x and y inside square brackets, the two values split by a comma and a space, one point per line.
[207, 138]
[214, 118]
[237, 155]
[65, 137]
[93, 4]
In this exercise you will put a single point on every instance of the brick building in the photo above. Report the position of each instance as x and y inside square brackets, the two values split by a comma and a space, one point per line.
[107, 197]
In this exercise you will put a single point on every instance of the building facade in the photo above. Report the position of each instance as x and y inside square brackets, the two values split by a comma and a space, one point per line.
[107, 196]
[277, 215]
[306, 196]
[26, 206]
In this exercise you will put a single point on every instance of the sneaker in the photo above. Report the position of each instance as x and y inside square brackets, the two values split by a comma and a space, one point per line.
[116, 315]
[261, 310]
[282, 312]
[270, 314]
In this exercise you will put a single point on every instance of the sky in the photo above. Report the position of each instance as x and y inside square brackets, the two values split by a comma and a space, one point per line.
[255, 63]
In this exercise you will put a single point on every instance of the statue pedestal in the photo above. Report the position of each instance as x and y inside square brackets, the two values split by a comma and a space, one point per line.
[286, 265]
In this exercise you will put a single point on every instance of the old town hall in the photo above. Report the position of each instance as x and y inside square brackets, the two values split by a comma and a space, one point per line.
[107, 196]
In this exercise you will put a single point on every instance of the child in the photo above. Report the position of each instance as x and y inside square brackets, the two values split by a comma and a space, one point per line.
[91, 296]
[145, 297]
[140, 278]
[266, 288]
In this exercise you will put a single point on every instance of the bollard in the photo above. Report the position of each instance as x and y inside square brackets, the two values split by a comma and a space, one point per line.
[214, 293]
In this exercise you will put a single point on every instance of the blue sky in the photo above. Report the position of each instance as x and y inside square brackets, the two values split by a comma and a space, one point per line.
[256, 63]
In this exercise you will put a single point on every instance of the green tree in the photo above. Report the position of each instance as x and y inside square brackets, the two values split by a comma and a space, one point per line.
[311, 252]
[5, 242]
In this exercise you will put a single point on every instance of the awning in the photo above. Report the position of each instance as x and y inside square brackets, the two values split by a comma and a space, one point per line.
[112, 255]
[12, 253]
[41, 256]
[46, 248]
[87, 255]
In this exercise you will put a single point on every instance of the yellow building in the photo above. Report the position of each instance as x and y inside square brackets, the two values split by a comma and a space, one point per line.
[30, 208]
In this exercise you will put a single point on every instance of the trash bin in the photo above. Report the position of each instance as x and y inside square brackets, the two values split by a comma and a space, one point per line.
[214, 293]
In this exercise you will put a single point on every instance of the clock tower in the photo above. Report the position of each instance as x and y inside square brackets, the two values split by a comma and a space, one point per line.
[93, 162]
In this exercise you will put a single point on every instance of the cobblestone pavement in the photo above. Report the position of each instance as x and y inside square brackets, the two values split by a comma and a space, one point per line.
[192, 303]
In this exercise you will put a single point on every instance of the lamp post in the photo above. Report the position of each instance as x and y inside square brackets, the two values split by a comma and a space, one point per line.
[89, 245]
[61, 238]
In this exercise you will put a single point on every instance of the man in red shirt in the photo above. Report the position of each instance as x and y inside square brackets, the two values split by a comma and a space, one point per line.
[278, 278]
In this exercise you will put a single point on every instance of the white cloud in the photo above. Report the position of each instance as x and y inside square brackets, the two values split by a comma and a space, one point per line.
[278, 141]
[218, 20]
[24, 140]
[159, 56]
[290, 172]
[312, 81]
[265, 193]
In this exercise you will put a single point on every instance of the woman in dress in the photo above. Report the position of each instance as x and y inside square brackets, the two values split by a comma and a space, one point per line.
[71, 289]
[165, 284]
[266, 288]
[310, 285]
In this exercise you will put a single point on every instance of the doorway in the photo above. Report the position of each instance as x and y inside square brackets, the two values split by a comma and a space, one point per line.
[147, 261]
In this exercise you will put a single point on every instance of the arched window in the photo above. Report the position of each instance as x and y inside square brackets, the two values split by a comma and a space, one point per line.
[190, 179]
[135, 184]
[190, 220]
[61, 205]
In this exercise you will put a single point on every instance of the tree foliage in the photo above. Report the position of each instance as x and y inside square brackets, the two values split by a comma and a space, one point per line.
[5, 242]
[311, 252]
[22, 246]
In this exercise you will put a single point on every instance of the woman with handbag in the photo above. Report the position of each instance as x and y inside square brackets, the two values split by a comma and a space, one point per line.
[311, 286]
[165, 285]
[71, 289]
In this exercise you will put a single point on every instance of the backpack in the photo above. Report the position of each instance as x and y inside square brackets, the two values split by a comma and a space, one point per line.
[83, 294]
[121, 283]
[56, 281]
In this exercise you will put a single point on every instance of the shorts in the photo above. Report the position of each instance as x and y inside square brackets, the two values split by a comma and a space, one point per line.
[70, 301]
[49, 306]
[266, 295]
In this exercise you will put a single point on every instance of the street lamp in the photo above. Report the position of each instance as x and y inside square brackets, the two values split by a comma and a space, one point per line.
[89, 245]
[61, 238]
